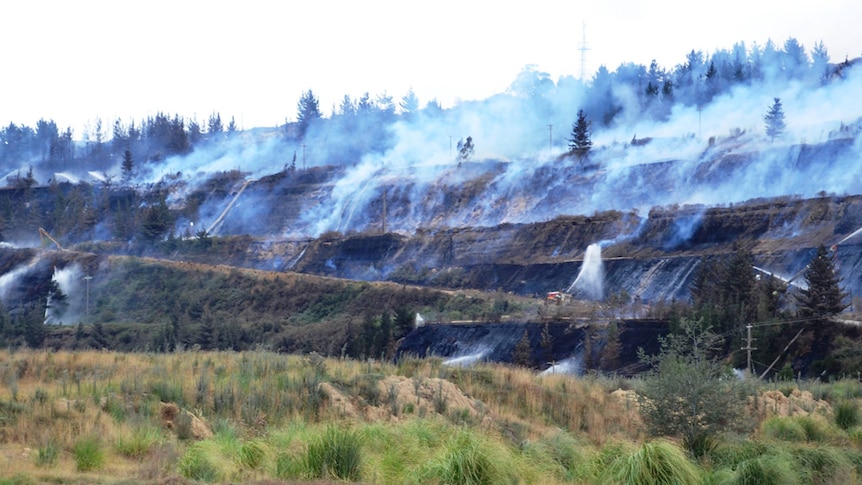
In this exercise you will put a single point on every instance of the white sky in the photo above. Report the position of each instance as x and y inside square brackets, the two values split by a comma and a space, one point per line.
[74, 61]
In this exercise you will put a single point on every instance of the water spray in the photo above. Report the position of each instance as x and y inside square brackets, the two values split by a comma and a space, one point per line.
[590, 279]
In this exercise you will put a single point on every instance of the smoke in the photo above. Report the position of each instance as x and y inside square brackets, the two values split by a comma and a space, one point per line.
[11, 280]
[710, 153]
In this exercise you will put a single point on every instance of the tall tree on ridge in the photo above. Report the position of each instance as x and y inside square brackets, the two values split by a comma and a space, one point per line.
[307, 111]
[580, 142]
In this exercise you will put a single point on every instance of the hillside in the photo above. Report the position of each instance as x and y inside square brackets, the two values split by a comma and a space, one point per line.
[233, 240]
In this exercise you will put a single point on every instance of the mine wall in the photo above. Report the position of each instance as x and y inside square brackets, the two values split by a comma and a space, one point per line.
[650, 259]
[583, 347]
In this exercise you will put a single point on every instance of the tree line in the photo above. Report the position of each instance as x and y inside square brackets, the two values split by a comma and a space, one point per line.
[366, 119]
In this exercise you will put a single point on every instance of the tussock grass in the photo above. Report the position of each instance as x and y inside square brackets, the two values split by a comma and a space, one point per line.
[772, 469]
[469, 460]
[89, 454]
[784, 428]
[846, 413]
[138, 442]
[654, 463]
[336, 453]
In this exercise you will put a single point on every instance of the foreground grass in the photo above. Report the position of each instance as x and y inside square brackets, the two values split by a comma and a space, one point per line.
[99, 417]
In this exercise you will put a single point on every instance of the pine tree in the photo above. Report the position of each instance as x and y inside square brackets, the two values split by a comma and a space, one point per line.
[774, 119]
[522, 354]
[128, 167]
[307, 111]
[824, 297]
[580, 142]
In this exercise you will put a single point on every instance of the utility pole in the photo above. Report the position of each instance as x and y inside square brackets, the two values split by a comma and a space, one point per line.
[303, 156]
[550, 139]
[748, 348]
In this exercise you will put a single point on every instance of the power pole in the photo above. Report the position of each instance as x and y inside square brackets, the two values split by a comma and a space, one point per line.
[303, 156]
[583, 47]
[748, 348]
[550, 138]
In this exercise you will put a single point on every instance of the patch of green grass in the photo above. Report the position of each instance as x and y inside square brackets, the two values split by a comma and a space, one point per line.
[783, 428]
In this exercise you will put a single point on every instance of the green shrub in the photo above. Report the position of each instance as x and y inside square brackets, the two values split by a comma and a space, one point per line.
[846, 414]
[334, 454]
[89, 454]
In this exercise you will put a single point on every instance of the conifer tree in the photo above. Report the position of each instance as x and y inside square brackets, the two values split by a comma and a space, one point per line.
[307, 111]
[824, 296]
[522, 353]
[774, 119]
[128, 167]
[580, 142]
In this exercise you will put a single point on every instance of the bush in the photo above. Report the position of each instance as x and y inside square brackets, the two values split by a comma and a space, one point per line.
[687, 393]
[653, 463]
[334, 454]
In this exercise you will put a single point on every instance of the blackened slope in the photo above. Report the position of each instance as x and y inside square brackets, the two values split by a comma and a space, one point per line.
[496, 341]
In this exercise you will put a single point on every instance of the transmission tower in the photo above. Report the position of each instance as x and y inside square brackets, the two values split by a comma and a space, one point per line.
[583, 47]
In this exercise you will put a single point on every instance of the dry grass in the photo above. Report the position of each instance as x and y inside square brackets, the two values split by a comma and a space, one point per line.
[52, 399]
[262, 410]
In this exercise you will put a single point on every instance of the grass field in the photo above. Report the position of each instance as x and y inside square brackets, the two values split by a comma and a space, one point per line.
[219, 417]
